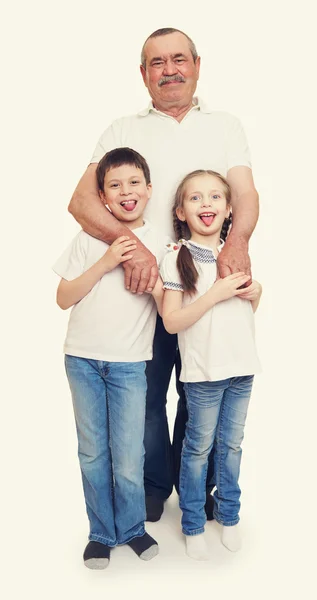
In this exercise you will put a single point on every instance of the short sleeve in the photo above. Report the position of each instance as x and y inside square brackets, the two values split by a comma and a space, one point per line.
[238, 153]
[166, 245]
[169, 272]
[109, 140]
[71, 263]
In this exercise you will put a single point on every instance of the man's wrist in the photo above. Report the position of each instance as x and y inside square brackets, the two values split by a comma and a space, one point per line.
[238, 238]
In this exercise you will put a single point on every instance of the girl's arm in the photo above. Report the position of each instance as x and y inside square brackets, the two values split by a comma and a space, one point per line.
[176, 317]
[71, 292]
[158, 294]
[252, 293]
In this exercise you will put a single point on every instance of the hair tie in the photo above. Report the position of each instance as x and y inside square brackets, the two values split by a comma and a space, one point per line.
[184, 242]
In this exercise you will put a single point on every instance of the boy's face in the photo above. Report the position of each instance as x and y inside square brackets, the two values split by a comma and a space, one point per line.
[126, 194]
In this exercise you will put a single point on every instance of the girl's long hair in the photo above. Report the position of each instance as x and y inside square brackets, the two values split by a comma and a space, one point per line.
[185, 264]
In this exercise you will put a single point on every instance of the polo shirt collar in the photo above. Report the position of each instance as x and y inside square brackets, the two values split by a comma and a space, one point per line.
[198, 104]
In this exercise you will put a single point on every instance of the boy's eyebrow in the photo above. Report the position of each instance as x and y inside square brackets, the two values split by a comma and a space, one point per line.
[118, 178]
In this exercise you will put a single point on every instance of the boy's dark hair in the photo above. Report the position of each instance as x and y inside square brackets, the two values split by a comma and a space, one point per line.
[118, 157]
[185, 264]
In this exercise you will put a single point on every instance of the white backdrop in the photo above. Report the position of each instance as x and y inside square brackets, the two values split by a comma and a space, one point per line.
[69, 69]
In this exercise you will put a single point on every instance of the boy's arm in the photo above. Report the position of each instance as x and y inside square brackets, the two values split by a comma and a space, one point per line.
[87, 208]
[71, 292]
[176, 317]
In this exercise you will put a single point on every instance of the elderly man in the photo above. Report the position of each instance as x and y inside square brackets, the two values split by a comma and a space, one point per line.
[177, 133]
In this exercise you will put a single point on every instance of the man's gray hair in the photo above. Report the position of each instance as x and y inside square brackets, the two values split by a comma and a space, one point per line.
[166, 31]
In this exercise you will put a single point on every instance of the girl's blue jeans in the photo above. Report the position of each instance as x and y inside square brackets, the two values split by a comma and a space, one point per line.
[109, 407]
[217, 413]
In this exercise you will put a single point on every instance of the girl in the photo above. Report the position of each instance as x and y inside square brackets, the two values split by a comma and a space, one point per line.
[214, 321]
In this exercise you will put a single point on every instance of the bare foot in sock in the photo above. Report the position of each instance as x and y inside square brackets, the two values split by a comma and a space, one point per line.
[144, 546]
[96, 556]
[196, 547]
[231, 538]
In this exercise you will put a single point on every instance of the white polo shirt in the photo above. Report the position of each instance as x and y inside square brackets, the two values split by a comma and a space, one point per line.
[221, 344]
[110, 323]
[204, 139]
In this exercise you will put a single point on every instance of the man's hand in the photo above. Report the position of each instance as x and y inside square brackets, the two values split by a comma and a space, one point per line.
[234, 258]
[141, 271]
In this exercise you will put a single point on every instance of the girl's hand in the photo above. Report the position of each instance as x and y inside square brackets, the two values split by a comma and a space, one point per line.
[119, 251]
[226, 288]
[253, 292]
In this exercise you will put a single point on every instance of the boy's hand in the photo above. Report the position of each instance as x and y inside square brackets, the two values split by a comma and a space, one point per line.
[253, 292]
[119, 251]
[226, 288]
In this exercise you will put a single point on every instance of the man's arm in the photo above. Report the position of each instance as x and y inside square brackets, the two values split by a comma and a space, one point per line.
[87, 208]
[245, 211]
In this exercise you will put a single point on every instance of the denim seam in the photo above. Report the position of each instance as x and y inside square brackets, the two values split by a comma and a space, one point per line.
[140, 533]
[194, 532]
[94, 537]
[225, 523]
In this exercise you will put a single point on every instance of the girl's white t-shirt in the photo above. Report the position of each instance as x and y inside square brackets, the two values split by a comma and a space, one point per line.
[222, 343]
[110, 323]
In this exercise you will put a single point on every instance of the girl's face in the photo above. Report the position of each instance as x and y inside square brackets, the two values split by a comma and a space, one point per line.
[204, 206]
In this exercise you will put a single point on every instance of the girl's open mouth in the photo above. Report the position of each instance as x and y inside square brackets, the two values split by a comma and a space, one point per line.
[207, 218]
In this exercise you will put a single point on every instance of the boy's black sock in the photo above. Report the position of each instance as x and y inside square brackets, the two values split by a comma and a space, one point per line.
[145, 546]
[96, 555]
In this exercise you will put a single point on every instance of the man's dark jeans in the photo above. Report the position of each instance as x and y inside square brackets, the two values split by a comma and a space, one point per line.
[162, 459]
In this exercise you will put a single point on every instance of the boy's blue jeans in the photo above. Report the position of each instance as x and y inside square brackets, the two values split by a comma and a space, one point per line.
[217, 413]
[109, 407]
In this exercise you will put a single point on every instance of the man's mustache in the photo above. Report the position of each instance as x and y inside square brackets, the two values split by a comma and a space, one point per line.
[169, 78]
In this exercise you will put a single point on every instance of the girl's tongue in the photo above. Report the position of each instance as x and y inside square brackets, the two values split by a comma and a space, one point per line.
[207, 220]
[129, 205]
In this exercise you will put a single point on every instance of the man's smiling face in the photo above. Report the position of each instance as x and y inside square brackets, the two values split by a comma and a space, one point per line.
[170, 74]
[126, 193]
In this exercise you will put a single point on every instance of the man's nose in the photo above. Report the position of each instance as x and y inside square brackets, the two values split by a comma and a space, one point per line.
[169, 68]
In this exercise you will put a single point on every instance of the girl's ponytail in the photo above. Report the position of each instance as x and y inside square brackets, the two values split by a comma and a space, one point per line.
[225, 227]
[185, 264]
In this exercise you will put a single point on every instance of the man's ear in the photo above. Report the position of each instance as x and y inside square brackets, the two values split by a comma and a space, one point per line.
[143, 73]
[197, 65]
[180, 214]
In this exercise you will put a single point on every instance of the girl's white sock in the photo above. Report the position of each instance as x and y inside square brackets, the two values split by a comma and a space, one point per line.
[231, 538]
[196, 547]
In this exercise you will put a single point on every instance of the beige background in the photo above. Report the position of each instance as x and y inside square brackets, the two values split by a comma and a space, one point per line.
[70, 68]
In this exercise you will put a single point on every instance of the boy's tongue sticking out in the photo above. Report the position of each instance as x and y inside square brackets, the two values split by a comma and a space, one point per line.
[129, 204]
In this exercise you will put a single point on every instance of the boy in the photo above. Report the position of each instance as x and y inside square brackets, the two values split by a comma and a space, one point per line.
[109, 338]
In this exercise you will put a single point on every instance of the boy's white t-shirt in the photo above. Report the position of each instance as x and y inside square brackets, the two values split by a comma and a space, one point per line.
[110, 323]
[222, 343]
